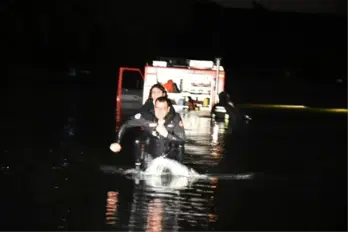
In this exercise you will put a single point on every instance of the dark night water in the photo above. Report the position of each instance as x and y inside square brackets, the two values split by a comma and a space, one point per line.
[299, 159]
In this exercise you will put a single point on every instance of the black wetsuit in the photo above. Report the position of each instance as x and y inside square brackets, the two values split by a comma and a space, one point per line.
[171, 146]
[235, 117]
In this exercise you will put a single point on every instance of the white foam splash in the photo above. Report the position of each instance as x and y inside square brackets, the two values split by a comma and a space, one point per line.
[159, 165]
[167, 174]
[180, 176]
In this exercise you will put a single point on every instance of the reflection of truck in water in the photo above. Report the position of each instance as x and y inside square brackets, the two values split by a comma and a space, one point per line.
[199, 80]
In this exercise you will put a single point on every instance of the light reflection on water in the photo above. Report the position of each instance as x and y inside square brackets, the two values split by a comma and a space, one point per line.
[149, 208]
[155, 210]
[61, 197]
[205, 140]
[111, 208]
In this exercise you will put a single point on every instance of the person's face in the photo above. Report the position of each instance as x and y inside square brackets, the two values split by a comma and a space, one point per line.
[156, 93]
[161, 110]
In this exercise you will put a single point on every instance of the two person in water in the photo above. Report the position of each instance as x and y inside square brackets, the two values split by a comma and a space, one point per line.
[162, 126]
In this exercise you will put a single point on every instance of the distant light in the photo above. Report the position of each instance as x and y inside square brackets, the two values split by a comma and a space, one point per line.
[332, 110]
[201, 64]
[159, 63]
[278, 106]
[220, 68]
[275, 106]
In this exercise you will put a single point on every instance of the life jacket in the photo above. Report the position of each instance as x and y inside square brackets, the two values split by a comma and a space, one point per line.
[169, 86]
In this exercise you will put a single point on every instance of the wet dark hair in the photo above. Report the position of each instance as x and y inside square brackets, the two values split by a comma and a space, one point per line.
[160, 87]
[164, 99]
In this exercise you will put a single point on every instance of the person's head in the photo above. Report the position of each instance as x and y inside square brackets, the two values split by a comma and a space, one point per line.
[162, 107]
[224, 98]
[157, 91]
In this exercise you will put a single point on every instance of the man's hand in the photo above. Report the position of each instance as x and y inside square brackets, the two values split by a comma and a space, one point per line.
[161, 122]
[162, 130]
[115, 147]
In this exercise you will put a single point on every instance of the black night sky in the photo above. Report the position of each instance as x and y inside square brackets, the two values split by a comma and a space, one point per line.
[88, 34]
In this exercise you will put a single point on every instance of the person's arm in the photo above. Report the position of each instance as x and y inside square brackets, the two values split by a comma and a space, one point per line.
[136, 121]
[229, 109]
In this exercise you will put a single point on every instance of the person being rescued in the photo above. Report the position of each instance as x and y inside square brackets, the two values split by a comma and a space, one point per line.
[164, 128]
[156, 91]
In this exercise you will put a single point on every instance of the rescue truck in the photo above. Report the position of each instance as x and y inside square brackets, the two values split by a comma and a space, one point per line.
[191, 84]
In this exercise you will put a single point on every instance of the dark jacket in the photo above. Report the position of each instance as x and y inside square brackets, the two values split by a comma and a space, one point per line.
[159, 145]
